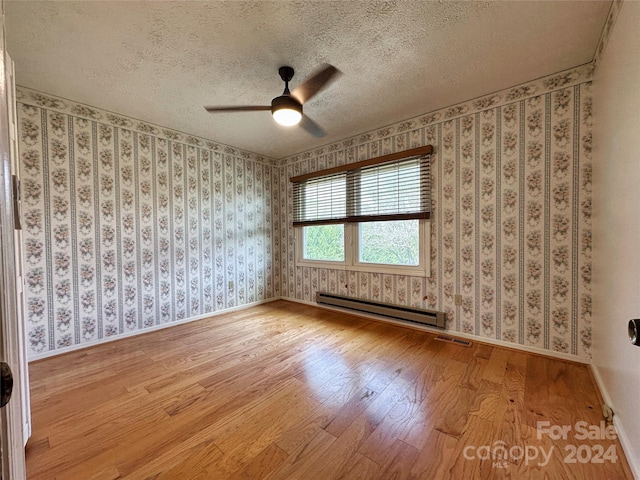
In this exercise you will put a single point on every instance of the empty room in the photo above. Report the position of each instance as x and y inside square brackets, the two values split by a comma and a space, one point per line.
[320, 240]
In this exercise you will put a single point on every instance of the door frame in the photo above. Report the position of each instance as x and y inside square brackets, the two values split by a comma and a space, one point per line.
[12, 433]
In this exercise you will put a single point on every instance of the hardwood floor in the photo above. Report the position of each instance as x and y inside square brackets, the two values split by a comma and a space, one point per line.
[289, 391]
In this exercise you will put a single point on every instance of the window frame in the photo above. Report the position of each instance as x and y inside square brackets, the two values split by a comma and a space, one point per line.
[352, 221]
[351, 251]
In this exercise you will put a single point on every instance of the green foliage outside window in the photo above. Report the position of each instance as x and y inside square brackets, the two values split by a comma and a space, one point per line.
[385, 243]
[391, 243]
[324, 242]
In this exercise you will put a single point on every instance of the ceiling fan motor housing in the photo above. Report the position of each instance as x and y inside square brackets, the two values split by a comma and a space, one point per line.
[285, 101]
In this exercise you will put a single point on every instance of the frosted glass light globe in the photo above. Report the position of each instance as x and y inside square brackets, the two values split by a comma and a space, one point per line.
[287, 117]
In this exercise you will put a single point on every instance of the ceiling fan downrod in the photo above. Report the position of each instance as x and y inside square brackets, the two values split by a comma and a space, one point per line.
[286, 74]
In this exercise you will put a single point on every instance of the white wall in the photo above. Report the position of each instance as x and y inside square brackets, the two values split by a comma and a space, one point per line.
[616, 225]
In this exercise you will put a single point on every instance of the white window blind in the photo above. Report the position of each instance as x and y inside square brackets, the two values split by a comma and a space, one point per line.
[321, 199]
[374, 190]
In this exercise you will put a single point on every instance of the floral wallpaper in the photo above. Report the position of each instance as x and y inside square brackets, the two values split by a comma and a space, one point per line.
[511, 222]
[128, 225]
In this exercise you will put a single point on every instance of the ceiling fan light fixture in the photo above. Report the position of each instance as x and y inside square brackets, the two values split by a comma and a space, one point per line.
[286, 110]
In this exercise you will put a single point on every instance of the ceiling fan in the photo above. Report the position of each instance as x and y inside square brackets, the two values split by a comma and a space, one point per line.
[287, 108]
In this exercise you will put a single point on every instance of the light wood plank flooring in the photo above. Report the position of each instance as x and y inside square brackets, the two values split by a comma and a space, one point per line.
[290, 391]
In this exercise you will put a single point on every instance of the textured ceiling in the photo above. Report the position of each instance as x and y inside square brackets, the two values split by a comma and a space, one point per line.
[163, 61]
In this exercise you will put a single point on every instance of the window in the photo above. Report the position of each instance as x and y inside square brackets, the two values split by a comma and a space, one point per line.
[371, 215]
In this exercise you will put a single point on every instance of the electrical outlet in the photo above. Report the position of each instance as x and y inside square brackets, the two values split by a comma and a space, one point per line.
[230, 285]
[457, 299]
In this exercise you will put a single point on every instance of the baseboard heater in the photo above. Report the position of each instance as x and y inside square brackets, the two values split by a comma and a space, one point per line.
[399, 312]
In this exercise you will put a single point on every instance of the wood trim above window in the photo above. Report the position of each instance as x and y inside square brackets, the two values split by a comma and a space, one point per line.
[413, 152]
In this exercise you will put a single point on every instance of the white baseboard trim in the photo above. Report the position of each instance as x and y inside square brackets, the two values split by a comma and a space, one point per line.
[93, 343]
[634, 463]
[491, 341]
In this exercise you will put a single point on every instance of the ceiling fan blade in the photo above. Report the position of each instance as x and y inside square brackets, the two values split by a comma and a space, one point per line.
[238, 109]
[315, 83]
[310, 126]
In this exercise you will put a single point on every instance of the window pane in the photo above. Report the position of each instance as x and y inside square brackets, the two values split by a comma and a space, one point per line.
[323, 242]
[391, 243]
